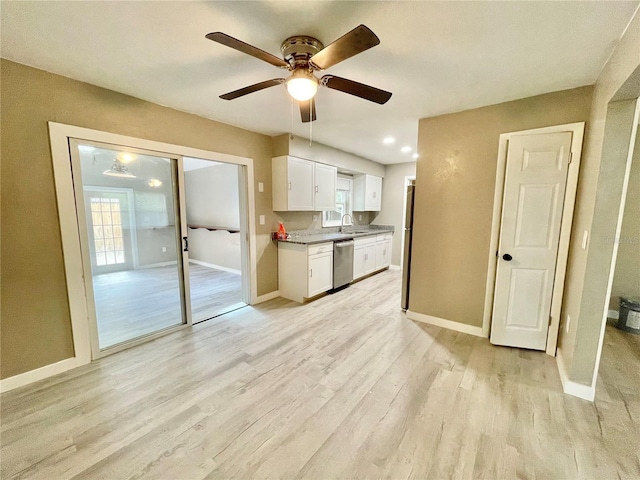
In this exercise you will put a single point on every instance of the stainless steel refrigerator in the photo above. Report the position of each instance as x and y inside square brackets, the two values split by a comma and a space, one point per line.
[408, 239]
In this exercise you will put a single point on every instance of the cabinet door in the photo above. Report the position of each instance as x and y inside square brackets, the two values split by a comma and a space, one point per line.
[386, 253]
[370, 258]
[358, 262]
[373, 190]
[325, 187]
[320, 273]
[301, 188]
[379, 255]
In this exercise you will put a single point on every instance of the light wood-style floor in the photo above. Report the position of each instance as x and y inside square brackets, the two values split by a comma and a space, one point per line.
[343, 387]
[134, 303]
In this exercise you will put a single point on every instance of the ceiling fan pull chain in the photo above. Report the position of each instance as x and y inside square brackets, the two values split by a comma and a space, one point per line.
[311, 104]
[291, 131]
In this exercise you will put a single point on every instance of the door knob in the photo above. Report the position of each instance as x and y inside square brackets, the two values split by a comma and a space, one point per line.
[507, 257]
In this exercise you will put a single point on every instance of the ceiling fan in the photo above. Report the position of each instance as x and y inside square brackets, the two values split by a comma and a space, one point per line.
[302, 56]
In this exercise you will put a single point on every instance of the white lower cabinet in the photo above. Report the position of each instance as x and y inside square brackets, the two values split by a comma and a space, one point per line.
[320, 273]
[371, 254]
[364, 256]
[383, 250]
[304, 271]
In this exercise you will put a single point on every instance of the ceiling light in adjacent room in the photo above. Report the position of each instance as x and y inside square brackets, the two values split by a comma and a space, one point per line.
[154, 182]
[126, 157]
[389, 140]
[302, 85]
[405, 149]
[118, 169]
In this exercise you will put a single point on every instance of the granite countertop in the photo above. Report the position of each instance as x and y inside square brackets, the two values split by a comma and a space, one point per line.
[309, 237]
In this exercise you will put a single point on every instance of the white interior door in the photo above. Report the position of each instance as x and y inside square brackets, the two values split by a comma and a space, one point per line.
[534, 192]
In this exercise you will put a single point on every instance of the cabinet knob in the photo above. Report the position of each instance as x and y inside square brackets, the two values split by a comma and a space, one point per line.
[311, 273]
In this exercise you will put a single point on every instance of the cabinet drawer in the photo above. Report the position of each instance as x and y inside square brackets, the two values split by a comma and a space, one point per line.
[364, 241]
[382, 237]
[320, 248]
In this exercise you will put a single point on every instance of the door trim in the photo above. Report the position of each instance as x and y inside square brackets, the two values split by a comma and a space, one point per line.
[577, 130]
[407, 179]
[59, 135]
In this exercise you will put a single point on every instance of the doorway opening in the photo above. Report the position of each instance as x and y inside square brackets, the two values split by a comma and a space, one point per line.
[213, 212]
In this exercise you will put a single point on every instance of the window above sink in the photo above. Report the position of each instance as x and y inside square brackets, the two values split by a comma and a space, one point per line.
[344, 203]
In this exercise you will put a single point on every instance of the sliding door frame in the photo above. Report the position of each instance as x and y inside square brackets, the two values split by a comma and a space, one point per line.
[78, 288]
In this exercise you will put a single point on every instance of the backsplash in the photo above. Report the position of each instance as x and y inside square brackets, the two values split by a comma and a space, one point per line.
[347, 229]
[304, 220]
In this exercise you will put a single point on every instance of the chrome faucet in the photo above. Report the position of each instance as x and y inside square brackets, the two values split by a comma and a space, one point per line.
[342, 221]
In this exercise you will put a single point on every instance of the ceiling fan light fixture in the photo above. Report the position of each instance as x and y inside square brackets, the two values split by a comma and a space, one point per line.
[302, 85]
[118, 169]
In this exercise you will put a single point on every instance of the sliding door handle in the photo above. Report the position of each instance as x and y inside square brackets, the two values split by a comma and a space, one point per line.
[186, 244]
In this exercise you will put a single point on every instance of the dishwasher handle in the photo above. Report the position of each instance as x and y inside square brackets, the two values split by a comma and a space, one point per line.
[343, 244]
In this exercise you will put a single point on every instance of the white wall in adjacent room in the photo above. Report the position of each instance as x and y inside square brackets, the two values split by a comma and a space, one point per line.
[212, 199]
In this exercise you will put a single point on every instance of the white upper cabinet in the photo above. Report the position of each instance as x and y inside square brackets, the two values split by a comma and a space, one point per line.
[367, 193]
[326, 177]
[292, 184]
[300, 185]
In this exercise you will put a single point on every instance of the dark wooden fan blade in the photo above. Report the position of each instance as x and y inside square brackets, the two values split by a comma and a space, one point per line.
[356, 41]
[252, 88]
[361, 90]
[307, 110]
[243, 47]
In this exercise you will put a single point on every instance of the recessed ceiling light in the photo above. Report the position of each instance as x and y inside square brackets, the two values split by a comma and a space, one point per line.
[405, 149]
[415, 155]
[389, 140]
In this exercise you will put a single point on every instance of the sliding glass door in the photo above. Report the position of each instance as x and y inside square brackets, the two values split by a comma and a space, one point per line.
[131, 239]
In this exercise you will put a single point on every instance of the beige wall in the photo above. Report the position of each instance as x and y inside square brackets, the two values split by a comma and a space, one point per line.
[455, 175]
[393, 194]
[36, 329]
[626, 281]
[585, 298]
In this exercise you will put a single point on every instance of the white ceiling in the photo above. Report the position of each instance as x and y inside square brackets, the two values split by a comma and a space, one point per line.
[436, 57]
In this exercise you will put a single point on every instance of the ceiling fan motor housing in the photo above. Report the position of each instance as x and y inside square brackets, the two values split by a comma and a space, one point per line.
[297, 50]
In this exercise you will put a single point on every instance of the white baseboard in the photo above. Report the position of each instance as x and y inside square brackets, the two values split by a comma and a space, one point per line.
[451, 325]
[41, 373]
[395, 267]
[266, 297]
[217, 267]
[615, 314]
[156, 265]
[579, 390]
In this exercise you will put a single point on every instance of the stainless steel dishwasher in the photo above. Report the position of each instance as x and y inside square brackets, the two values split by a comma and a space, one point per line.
[342, 263]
